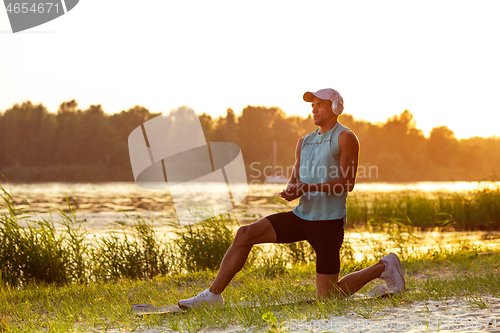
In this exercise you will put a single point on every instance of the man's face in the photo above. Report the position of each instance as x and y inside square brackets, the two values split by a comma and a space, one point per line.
[322, 111]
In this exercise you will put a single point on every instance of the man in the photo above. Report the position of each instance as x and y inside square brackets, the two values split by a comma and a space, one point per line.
[324, 172]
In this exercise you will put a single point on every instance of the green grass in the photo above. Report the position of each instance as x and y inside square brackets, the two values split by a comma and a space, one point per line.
[475, 210]
[102, 306]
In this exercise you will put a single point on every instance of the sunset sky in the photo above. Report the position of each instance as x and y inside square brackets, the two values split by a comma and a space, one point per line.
[438, 59]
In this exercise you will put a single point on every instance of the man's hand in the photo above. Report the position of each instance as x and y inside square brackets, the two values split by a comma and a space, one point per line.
[294, 191]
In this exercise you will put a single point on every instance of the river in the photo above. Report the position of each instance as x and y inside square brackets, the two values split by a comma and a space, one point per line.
[99, 205]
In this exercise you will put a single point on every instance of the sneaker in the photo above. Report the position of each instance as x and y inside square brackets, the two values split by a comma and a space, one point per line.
[393, 275]
[202, 299]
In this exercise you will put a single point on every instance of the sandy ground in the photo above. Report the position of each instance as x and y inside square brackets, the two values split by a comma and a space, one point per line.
[451, 315]
[431, 316]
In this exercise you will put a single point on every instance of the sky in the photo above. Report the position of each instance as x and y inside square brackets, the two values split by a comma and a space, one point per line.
[438, 59]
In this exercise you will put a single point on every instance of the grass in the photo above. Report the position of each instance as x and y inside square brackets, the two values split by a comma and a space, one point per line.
[105, 306]
[33, 251]
[462, 273]
[475, 210]
[54, 279]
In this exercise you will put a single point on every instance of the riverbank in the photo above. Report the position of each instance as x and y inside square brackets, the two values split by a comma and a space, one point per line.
[444, 288]
[55, 278]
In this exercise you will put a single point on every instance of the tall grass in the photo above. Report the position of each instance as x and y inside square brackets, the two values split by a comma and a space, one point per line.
[137, 254]
[37, 251]
[475, 210]
[61, 252]
[203, 245]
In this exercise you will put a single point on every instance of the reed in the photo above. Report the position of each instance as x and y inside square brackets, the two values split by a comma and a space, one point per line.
[37, 251]
[474, 210]
[137, 254]
[203, 245]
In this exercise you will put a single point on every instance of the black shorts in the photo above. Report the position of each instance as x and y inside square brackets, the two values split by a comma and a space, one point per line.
[325, 237]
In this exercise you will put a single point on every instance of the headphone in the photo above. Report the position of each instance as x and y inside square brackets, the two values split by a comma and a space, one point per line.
[336, 108]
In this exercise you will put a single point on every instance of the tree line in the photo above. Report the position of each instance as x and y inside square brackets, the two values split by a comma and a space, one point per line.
[91, 145]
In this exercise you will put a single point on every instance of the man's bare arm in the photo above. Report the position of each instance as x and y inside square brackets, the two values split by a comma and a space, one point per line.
[291, 191]
[294, 179]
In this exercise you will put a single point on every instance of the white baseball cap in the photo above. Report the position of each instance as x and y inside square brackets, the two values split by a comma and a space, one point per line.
[328, 94]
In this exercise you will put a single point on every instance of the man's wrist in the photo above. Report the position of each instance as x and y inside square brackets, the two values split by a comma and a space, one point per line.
[310, 188]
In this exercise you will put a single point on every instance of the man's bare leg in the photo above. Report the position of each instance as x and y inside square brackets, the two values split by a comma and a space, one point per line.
[326, 284]
[258, 232]
[353, 282]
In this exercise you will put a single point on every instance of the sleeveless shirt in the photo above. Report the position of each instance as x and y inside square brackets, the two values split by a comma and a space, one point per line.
[319, 163]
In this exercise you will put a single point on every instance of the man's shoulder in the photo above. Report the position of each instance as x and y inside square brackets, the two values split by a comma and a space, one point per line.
[301, 140]
[348, 138]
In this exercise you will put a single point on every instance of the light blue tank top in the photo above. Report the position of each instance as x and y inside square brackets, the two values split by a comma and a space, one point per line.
[319, 163]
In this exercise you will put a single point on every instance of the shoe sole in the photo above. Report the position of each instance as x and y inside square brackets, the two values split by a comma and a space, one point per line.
[398, 265]
[183, 307]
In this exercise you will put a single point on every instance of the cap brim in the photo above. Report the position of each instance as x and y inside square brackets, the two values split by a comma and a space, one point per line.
[308, 96]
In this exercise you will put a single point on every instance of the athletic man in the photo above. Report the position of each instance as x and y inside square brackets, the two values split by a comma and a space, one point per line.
[324, 172]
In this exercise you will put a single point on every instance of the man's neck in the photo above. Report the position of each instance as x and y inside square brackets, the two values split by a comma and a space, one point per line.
[326, 127]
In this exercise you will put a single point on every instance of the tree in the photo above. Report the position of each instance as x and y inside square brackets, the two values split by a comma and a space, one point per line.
[3, 158]
[442, 146]
[208, 126]
[123, 123]
[256, 132]
[226, 128]
[30, 136]
[68, 133]
[401, 143]
[95, 141]
[120, 126]
[27, 135]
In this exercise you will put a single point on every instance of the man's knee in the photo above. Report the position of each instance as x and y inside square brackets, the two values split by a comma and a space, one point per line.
[243, 236]
[255, 233]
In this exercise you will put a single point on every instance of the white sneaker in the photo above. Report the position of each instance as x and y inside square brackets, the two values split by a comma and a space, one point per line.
[393, 275]
[202, 299]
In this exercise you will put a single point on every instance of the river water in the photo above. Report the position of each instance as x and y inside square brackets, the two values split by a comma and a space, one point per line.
[100, 205]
